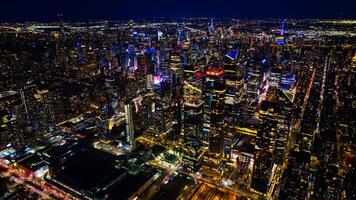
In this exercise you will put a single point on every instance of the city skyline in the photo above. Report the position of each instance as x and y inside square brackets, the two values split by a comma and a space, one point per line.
[148, 100]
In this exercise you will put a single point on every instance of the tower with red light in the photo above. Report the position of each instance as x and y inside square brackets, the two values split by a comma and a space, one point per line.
[214, 109]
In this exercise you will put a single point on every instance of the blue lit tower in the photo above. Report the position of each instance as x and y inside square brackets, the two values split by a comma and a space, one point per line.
[179, 34]
[211, 27]
[281, 39]
[282, 28]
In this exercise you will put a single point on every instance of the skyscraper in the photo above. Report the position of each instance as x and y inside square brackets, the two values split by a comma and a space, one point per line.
[129, 125]
[253, 82]
[265, 142]
[193, 117]
[234, 81]
[214, 109]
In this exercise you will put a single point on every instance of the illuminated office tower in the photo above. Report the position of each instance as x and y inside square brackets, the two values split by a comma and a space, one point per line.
[129, 125]
[193, 104]
[144, 114]
[176, 97]
[159, 115]
[234, 90]
[193, 117]
[193, 123]
[283, 125]
[253, 78]
[253, 83]
[241, 82]
[214, 109]
[265, 142]
[193, 133]
[283, 99]
[279, 89]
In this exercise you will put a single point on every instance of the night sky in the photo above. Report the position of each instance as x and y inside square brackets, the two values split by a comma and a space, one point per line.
[46, 10]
